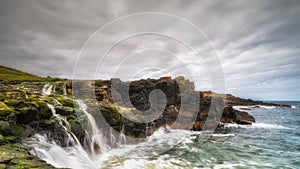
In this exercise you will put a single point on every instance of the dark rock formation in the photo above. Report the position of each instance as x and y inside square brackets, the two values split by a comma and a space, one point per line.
[207, 115]
[24, 110]
[231, 115]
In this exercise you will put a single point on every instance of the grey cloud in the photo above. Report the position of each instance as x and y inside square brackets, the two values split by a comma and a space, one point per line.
[257, 41]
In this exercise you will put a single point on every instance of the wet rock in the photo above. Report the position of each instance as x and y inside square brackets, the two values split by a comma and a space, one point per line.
[26, 115]
[231, 115]
[5, 110]
[15, 156]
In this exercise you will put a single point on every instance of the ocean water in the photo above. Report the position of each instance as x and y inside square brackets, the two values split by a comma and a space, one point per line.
[272, 142]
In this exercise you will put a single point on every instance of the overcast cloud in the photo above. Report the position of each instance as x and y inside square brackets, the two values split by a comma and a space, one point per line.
[258, 42]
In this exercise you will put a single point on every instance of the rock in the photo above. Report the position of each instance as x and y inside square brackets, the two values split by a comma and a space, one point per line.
[5, 110]
[28, 132]
[231, 115]
[5, 128]
[65, 111]
[65, 101]
[2, 139]
[16, 156]
[26, 115]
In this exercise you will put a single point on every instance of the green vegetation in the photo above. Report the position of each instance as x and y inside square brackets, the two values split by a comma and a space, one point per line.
[65, 101]
[9, 74]
[110, 112]
[12, 156]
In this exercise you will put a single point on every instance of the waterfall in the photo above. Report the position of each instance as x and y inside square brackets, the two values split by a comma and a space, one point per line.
[71, 157]
[47, 89]
[112, 137]
[146, 130]
[122, 139]
[65, 88]
[95, 141]
[62, 120]
[95, 153]
[65, 125]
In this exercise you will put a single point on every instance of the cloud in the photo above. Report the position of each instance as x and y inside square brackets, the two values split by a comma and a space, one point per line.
[257, 41]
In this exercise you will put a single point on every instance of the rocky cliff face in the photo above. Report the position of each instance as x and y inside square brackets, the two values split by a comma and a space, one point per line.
[204, 112]
[51, 109]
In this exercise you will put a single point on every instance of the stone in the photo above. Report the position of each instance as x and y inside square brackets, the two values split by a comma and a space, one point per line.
[26, 115]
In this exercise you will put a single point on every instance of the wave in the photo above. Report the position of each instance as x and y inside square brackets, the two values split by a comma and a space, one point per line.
[295, 107]
[257, 125]
[223, 135]
[267, 107]
[253, 107]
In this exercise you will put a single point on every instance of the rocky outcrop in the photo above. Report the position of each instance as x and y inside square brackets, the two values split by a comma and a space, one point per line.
[231, 100]
[210, 112]
[231, 115]
[25, 110]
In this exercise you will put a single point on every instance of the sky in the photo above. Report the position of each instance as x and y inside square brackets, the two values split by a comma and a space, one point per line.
[248, 48]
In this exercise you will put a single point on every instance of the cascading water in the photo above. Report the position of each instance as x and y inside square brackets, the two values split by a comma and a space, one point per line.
[88, 156]
[62, 120]
[146, 130]
[122, 140]
[47, 89]
[65, 88]
[95, 141]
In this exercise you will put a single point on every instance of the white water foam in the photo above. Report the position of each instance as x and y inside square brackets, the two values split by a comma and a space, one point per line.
[223, 135]
[70, 157]
[294, 107]
[252, 107]
[47, 89]
[257, 125]
[65, 88]
[125, 156]
[267, 107]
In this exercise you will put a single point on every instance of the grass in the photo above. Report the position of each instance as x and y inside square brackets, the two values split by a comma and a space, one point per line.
[9, 74]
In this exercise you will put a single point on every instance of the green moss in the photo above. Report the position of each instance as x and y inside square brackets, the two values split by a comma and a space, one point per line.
[15, 157]
[19, 130]
[5, 110]
[59, 88]
[44, 112]
[69, 91]
[110, 112]
[4, 126]
[2, 166]
[65, 101]
[10, 139]
[12, 102]
[2, 139]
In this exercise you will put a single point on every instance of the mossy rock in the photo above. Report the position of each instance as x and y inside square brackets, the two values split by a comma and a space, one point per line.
[69, 91]
[10, 139]
[15, 157]
[44, 112]
[26, 115]
[110, 112]
[65, 101]
[2, 139]
[65, 111]
[3, 166]
[5, 110]
[13, 102]
[4, 128]
[58, 89]
[19, 129]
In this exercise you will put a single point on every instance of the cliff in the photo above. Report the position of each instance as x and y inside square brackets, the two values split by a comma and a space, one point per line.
[28, 108]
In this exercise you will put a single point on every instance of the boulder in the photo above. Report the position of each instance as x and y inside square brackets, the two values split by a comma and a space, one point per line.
[26, 115]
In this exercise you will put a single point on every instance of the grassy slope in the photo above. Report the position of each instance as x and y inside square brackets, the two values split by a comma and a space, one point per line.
[9, 74]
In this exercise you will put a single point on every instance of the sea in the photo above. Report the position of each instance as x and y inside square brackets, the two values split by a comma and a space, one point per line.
[273, 142]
